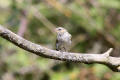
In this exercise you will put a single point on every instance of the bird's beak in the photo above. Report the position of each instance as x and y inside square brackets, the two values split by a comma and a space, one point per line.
[55, 30]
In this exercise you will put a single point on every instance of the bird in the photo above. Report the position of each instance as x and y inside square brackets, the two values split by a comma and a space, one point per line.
[63, 40]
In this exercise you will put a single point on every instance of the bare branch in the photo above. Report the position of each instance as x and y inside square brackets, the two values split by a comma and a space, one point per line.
[107, 53]
[105, 58]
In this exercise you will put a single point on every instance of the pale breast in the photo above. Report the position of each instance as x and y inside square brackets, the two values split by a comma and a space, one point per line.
[67, 39]
[64, 42]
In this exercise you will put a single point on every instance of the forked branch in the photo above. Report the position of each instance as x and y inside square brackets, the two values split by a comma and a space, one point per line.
[105, 58]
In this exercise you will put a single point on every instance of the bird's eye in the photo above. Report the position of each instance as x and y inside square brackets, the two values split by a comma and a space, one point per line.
[59, 29]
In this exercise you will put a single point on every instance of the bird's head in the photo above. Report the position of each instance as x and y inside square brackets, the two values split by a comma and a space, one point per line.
[60, 30]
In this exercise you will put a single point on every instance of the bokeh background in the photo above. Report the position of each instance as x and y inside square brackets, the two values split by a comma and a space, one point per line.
[94, 25]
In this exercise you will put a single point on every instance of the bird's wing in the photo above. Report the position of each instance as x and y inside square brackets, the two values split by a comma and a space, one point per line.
[57, 45]
[70, 38]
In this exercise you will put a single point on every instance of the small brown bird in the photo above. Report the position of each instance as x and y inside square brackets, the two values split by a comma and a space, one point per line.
[63, 41]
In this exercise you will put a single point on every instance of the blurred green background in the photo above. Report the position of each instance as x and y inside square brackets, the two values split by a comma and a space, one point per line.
[94, 25]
